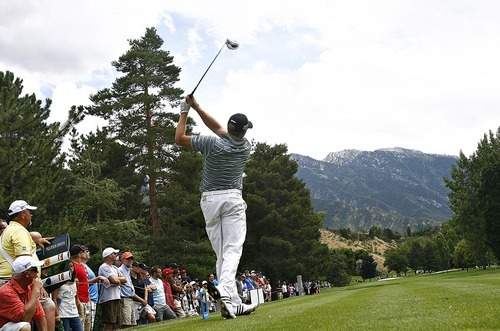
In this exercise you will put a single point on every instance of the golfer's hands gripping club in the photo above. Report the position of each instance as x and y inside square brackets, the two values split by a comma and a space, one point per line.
[191, 101]
[184, 107]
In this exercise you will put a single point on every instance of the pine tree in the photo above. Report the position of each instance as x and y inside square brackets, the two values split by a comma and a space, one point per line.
[136, 107]
[282, 225]
[475, 196]
[31, 161]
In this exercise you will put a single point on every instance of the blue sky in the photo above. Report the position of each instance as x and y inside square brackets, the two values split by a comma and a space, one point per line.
[319, 76]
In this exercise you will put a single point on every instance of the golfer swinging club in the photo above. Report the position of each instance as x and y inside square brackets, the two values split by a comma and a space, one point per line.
[221, 201]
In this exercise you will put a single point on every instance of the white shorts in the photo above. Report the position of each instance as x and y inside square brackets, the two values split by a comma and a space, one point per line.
[11, 326]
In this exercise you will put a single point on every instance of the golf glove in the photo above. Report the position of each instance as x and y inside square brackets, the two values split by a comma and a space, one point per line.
[184, 107]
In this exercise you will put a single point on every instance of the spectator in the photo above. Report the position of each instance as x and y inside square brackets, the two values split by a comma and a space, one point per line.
[163, 311]
[184, 277]
[167, 274]
[144, 313]
[253, 280]
[3, 226]
[93, 288]
[127, 293]
[282, 291]
[211, 300]
[110, 300]
[66, 298]
[143, 271]
[291, 290]
[17, 241]
[174, 266]
[177, 292]
[239, 286]
[248, 283]
[267, 290]
[118, 262]
[20, 297]
[212, 280]
[193, 298]
[79, 255]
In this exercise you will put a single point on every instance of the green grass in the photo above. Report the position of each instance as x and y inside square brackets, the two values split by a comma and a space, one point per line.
[457, 300]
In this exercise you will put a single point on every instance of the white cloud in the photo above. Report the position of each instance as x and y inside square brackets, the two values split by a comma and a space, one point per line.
[319, 76]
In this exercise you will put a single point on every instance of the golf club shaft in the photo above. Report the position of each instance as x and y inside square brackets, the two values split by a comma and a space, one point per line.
[192, 93]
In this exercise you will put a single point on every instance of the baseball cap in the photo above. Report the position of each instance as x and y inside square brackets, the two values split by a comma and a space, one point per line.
[192, 282]
[136, 264]
[167, 271]
[143, 266]
[75, 249]
[204, 282]
[23, 263]
[240, 122]
[173, 265]
[19, 206]
[183, 271]
[107, 251]
[127, 255]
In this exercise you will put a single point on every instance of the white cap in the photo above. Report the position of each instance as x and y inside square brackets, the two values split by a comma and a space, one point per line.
[106, 252]
[204, 282]
[23, 263]
[18, 206]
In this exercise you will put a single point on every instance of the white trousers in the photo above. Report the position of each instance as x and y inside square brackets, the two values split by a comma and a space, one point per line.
[226, 226]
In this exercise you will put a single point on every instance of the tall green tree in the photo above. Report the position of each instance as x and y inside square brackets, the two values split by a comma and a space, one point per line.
[475, 196]
[396, 260]
[31, 161]
[338, 273]
[282, 225]
[136, 106]
[368, 267]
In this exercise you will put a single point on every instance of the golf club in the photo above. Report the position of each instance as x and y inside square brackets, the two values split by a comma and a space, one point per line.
[231, 44]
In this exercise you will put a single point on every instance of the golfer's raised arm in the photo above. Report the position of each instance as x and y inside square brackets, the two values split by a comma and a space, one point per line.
[181, 138]
[209, 121]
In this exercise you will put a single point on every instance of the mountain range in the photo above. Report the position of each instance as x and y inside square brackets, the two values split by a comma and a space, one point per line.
[393, 188]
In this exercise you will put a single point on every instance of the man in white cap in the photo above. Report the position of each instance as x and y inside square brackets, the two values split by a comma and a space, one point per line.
[110, 295]
[20, 304]
[17, 241]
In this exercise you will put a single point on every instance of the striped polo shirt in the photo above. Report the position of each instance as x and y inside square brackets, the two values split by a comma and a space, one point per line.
[225, 160]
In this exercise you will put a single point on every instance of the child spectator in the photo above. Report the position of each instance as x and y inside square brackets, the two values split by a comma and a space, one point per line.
[66, 299]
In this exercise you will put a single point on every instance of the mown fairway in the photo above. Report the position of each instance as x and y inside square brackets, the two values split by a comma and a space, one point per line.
[457, 300]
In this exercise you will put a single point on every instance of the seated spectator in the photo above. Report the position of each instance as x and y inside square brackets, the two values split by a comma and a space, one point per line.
[191, 298]
[143, 270]
[17, 241]
[163, 311]
[144, 312]
[20, 304]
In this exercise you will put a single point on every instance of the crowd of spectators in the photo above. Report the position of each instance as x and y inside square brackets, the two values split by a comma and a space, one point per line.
[127, 291]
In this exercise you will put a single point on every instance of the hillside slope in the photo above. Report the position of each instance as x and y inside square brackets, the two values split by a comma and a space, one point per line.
[376, 247]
